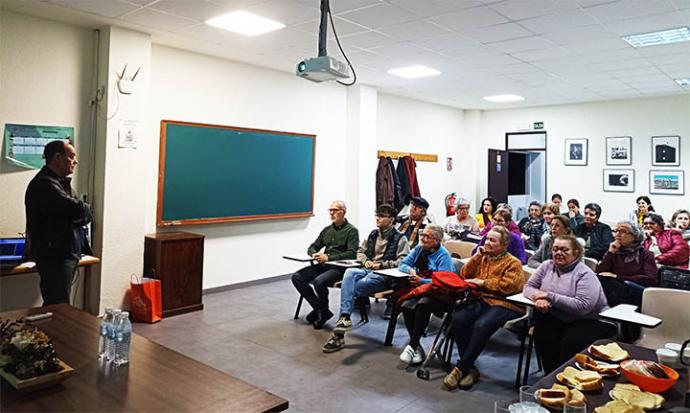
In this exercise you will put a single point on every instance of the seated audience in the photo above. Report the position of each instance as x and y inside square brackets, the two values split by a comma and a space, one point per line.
[497, 274]
[512, 226]
[668, 246]
[568, 299]
[462, 222]
[560, 225]
[515, 245]
[596, 235]
[644, 207]
[558, 200]
[574, 214]
[426, 258]
[680, 221]
[385, 247]
[417, 220]
[340, 241]
[532, 226]
[548, 211]
[627, 268]
[486, 211]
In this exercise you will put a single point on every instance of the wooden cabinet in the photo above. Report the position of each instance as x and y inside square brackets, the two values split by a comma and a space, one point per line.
[177, 259]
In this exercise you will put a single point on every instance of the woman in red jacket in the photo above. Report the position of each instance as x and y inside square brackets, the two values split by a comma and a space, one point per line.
[668, 246]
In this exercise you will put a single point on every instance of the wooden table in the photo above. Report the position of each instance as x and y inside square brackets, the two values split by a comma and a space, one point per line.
[30, 266]
[675, 396]
[157, 379]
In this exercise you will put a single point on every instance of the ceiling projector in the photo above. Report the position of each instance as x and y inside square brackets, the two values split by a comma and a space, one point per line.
[322, 68]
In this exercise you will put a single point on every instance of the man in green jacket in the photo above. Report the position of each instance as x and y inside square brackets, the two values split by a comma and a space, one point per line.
[339, 241]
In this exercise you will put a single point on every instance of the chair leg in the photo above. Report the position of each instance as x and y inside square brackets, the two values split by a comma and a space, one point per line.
[363, 314]
[299, 305]
[530, 345]
[390, 332]
[541, 368]
[520, 360]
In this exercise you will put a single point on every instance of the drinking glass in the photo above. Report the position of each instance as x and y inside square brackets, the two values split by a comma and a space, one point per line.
[502, 406]
[527, 395]
[574, 407]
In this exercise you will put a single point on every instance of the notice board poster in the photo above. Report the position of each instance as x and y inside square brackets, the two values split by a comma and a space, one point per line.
[24, 143]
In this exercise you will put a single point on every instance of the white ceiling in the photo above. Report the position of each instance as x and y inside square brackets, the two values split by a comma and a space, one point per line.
[549, 51]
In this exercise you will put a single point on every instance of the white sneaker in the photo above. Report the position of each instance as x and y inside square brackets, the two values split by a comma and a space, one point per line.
[418, 356]
[407, 355]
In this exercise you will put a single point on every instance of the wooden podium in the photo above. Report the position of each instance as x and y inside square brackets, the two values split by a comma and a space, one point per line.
[177, 259]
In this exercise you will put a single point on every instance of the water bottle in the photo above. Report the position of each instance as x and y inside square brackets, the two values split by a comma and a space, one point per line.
[123, 339]
[110, 345]
[106, 321]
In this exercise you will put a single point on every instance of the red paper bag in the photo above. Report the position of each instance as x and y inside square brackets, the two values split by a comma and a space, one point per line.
[145, 299]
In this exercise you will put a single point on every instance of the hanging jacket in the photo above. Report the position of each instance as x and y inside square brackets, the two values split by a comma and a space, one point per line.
[412, 176]
[405, 192]
[398, 202]
[385, 186]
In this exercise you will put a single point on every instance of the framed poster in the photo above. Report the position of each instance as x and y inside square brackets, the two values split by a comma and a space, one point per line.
[619, 150]
[24, 143]
[576, 151]
[619, 180]
[666, 182]
[665, 150]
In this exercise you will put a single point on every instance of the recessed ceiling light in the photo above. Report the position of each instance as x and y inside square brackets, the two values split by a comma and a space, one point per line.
[414, 72]
[683, 82]
[245, 23]
[503, 98]
[668, 36]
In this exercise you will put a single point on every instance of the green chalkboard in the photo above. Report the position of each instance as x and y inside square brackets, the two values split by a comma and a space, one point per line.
[212, 173]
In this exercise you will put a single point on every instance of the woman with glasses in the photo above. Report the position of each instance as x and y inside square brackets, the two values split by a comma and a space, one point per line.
[568, 298]
[668, 246]
[462, 221]
[560, 225]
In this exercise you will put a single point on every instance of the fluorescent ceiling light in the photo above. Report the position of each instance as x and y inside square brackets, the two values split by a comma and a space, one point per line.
[503, 98]
[245, 23]
[677, 35]
[414, 72]
[683, 82]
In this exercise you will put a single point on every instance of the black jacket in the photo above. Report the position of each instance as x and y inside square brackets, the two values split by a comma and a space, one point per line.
[54, 217]
[597, 239]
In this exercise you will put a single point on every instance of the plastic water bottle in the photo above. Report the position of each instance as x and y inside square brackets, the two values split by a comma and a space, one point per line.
[110, 345]
[123, 339]
[106, 321]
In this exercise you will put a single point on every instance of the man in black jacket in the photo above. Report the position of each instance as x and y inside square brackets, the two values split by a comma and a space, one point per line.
[597, 235]
[54, 218]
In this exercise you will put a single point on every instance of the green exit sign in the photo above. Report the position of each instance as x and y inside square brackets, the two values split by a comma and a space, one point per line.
[538, 125]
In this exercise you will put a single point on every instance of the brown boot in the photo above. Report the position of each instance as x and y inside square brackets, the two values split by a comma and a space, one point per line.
[452, 380]
[468, 380]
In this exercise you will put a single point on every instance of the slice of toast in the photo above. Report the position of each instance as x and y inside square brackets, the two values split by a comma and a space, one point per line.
[609, 352]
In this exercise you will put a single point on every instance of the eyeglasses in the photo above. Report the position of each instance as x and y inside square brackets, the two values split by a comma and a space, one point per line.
[383, 216]
[463, 207]
[560, 249]
[623, 231]
[334, 210]
[647, 223]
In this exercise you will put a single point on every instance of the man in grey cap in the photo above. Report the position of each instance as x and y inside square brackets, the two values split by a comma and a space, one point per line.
[416, 221]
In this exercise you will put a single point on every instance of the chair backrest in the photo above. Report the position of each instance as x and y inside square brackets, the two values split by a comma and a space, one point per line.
[591, 263]
[528, 254]
[462, 249]
[457, 263]
[673, 307]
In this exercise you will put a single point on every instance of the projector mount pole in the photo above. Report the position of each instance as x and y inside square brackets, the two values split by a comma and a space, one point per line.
[323, 28]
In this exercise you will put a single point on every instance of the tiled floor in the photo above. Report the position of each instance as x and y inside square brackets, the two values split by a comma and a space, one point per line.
[249, 333]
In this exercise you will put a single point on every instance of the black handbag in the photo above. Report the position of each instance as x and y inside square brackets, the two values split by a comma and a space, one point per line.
[672, 277]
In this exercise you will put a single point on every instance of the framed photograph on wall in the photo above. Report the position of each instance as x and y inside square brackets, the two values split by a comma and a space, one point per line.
[666, 182]
[665, 150]
[576, 151]
[619, 150]
[619, 180]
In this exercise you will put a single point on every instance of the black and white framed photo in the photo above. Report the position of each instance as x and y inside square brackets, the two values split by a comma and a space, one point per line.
[665, 150]
[666, 182]
[619, 180]
[576, 151]
[619, 150]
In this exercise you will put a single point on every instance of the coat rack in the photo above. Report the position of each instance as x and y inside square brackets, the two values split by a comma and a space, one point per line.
[419, 157]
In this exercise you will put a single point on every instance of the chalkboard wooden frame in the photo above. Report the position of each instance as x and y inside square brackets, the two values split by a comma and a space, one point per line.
[195, 221]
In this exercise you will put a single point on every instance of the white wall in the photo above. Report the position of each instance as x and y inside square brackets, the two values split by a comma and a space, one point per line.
[639, 118]
[45, 69]
[411, 126]
[197, 88]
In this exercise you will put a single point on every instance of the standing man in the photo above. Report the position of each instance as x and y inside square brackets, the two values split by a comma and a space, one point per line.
[384, 248]
[54, 217]
[339, 241]
[416, 222]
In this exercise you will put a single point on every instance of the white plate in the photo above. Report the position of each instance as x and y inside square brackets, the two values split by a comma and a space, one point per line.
[601, 363]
